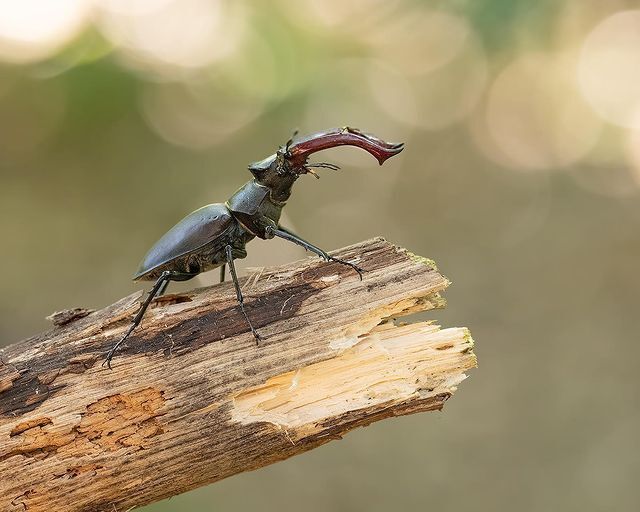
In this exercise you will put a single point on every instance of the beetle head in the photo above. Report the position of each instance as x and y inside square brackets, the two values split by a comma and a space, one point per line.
[274, 166]
[290, 161]
[277, 166]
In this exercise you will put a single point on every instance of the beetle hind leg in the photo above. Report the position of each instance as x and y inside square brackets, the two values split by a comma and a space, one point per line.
[163, 288]
[158, 288]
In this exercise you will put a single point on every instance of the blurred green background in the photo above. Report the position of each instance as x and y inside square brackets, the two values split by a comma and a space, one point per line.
[521, 178]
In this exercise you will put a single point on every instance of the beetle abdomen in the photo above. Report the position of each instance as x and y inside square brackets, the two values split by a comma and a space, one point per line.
[204, 231]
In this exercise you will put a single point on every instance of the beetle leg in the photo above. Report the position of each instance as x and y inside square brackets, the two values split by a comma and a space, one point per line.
[234, 277]
[159, 285]
[163, 288]
[222, 272]
[291, 237]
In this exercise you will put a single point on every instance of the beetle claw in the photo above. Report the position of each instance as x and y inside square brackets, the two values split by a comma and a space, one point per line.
[107, 361]
[355, 267]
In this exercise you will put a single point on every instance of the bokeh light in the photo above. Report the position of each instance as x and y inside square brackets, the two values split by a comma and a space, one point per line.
[534, 117]
[430, 70]
[420, 40]
[356, 17]
[152, 33]
[609, 68]
[196, 115]
[34, 29]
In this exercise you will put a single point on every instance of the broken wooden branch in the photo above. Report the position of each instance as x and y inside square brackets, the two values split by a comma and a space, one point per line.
[192, 399]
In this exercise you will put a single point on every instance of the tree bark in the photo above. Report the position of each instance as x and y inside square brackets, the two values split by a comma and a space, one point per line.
[191, 399]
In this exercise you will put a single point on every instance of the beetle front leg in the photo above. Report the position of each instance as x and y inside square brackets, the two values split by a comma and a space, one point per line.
[232, 268]
[160, 285]
[285, 234]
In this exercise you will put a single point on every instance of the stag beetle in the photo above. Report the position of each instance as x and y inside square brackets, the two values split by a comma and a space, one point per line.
[215, 235]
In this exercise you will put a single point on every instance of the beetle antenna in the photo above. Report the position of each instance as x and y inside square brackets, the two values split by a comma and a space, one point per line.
[290, 141]
[325, 165]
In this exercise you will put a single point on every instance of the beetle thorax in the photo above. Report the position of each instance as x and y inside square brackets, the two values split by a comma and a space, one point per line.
[255, 206]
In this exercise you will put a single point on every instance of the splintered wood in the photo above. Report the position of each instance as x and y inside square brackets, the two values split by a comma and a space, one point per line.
[191, 399]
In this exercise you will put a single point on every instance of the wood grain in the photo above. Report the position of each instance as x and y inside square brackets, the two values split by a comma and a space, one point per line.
[191, 398]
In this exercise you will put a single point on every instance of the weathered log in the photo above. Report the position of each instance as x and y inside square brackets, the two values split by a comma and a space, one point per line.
[192, 399]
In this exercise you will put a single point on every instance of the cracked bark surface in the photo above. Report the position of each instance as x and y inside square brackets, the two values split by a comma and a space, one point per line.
[192, 400]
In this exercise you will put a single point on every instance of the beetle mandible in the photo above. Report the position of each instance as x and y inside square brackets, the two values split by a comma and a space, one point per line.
[215, 235]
